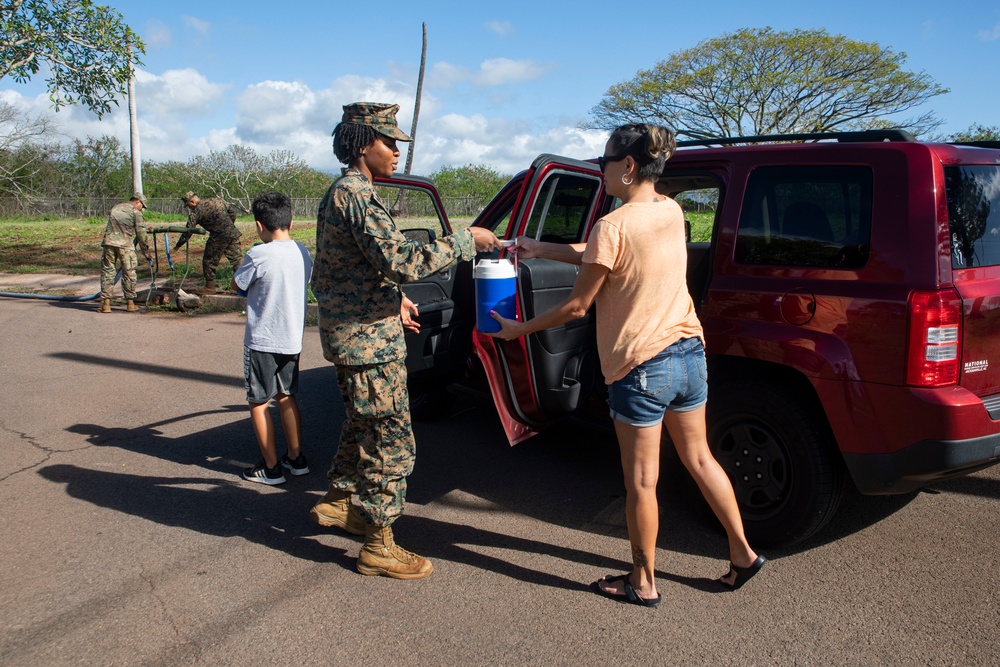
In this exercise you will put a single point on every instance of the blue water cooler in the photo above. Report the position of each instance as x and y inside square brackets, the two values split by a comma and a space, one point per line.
[496, 289]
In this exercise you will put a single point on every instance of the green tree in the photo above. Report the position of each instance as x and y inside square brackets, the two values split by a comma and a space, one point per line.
[168, 179]
[239, 172]
[98, 168]
[758, 81]
[84, 47]
[471, 180]
[977, 132]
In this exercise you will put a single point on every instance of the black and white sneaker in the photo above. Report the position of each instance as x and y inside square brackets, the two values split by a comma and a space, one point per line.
[296, 466]
[264, 475]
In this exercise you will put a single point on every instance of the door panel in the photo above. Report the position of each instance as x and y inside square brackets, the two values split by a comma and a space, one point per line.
[563, 360]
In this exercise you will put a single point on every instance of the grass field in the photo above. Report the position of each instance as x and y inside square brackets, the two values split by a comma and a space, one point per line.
[74, 246]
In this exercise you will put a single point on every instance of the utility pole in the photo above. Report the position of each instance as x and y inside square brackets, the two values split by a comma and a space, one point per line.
[134, 131]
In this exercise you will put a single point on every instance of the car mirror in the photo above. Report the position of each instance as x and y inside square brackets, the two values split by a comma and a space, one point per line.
[420, 235]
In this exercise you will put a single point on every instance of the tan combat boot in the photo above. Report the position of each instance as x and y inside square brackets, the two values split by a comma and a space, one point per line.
[334, 509]
[105, 307]
[209, 288]
[381, 556]
[131, 307]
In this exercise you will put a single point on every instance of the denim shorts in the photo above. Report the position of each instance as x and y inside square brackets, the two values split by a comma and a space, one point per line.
[267, 374]
[675, 379]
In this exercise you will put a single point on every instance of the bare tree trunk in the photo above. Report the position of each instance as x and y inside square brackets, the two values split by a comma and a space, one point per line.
[416, 104]
[401, 198]
[134, 136]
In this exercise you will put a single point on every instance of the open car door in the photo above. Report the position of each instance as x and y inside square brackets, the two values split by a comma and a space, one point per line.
[440, 349]
[552, 373]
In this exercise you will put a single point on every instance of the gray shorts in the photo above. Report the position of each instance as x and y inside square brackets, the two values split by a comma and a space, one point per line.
[268, 374]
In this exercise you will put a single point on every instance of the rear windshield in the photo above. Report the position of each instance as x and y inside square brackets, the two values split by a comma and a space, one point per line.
[974, 215]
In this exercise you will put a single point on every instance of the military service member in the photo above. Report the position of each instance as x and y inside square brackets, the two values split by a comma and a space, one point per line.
[361, 261]
[125, 223]
[219, 219]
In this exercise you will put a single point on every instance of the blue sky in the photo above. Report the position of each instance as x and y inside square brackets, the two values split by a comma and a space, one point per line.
[505, 81]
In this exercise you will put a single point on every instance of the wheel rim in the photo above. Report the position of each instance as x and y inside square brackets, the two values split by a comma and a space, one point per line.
[756, 460]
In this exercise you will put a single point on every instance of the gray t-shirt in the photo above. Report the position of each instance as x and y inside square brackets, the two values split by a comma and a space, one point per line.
[275, 277]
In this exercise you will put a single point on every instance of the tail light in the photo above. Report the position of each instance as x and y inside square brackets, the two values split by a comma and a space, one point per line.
[934, 355]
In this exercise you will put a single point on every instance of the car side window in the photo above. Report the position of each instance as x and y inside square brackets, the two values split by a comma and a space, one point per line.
[806, 216]
[698, 194]
[563, 208]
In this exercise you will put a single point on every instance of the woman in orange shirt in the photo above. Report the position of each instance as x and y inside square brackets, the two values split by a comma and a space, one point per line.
[651, 348]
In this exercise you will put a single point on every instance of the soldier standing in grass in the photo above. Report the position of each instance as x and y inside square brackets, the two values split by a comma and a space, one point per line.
[361, 261]
[218, 218]
[125, 223]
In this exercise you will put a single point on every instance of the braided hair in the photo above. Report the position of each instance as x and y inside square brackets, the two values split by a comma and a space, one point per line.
[350, 141]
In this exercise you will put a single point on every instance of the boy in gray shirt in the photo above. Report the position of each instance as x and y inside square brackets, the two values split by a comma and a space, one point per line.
[275, 276]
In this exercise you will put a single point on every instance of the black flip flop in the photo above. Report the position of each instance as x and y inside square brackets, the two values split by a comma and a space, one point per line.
[743, 574]
[630, 595]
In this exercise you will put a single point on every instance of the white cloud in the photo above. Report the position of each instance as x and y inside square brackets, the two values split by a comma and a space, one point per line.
[287, 115]
[492, 72]
[990, 35]
[509, 147]
[195, 24]
[502, 28]
[182, 114]
[501, 71]
[177, 92]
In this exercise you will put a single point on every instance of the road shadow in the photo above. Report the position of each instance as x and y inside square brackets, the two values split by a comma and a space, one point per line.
[225, 507]
[972, 485]
[569, 476]
[219, 506]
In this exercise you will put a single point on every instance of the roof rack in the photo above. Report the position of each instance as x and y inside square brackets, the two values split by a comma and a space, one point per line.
[843, 137]
[978, 144]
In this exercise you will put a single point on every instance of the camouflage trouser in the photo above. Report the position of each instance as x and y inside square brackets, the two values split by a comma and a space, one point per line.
[376, 443]
[215, 248]
[110, 260]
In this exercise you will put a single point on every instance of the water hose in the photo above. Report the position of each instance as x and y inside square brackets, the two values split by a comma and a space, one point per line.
[177, 229]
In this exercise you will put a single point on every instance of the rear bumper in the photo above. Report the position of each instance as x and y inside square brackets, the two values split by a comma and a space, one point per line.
[921, 464]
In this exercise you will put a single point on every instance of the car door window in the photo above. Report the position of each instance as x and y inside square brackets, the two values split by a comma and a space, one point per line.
[415, 212]
[563, 208]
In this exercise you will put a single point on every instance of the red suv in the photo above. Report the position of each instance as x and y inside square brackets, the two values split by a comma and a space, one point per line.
[850, 296]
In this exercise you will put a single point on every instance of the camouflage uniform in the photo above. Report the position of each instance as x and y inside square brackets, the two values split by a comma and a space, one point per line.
[124, 223]
[218, 218]
[361, 260]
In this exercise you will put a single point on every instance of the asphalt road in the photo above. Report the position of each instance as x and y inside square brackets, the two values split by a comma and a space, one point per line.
[129, 538]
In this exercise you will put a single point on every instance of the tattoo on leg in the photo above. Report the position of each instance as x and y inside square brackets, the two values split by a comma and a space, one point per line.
[639, 556]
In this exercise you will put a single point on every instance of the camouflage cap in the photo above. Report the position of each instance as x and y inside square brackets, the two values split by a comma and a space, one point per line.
[382, 117]
[188, 196]
[138, 196]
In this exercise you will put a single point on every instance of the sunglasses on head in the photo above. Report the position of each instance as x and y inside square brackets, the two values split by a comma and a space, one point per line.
[603, 161]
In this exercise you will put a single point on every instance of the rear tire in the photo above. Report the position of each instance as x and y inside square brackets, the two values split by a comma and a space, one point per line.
[779, 454]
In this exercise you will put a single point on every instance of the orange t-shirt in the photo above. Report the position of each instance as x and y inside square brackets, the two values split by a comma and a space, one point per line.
[644, 305]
